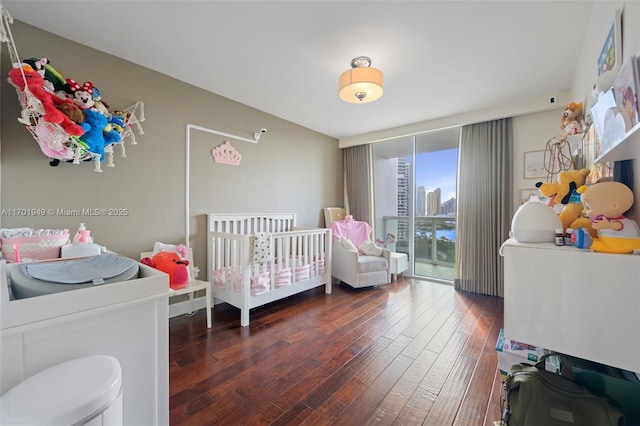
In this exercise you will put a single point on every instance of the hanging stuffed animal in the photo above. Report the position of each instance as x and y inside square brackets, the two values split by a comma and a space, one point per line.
[34, 82]
[54, 81]
[39, 66]
[81, 95]
[97, 137]
[72, 111]
[99, 103]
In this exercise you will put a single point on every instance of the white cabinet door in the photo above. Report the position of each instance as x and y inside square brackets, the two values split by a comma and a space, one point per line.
[572, 301]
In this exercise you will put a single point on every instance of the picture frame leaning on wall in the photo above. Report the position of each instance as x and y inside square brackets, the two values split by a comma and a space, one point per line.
[610, 58]
[534, 165]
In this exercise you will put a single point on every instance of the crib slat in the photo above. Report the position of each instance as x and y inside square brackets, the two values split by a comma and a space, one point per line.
[243, 223]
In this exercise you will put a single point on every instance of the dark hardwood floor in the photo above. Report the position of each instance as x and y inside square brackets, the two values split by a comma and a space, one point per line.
[407, 353]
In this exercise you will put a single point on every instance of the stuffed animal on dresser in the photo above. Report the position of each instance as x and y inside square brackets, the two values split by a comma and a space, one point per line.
[170, 263]
[572, 119]
[560, 193]
[605, 203]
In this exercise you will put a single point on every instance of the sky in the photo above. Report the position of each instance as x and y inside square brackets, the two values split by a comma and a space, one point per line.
[438, 169]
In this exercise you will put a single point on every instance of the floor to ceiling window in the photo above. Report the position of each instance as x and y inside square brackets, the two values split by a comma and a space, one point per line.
[415, 200]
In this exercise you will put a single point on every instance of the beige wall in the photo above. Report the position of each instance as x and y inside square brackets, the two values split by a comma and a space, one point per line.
[531, 133]
[535, 120]
[291, 169]
[150, 181]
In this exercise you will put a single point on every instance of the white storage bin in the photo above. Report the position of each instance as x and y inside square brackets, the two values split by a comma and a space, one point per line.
[84, 391]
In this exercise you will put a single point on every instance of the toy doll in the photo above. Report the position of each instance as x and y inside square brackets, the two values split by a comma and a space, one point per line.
[605, 203]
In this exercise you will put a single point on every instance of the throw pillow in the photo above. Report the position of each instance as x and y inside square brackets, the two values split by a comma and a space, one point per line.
[347, 244]
[370, 248]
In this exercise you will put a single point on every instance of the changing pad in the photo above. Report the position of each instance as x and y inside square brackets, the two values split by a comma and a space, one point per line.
[87, 269]
[36, 279]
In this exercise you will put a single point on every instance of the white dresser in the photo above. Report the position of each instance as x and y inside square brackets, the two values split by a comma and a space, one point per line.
[572, 301]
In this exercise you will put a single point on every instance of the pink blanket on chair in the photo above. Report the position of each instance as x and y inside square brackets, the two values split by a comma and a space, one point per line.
[354, 230]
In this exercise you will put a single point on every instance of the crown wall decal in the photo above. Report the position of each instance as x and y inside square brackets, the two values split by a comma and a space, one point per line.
[226, 154]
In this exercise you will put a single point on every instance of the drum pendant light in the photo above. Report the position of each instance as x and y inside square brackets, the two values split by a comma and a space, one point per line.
[362, 83]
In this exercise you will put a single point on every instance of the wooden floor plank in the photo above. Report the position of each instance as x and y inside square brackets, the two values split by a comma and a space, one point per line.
[407, 353]
[295, 416]
[370, 371]
[429, 303]
[473, 410]
[369, 400]
[344, 375]
[446, 406]
[494, 408]
[315, 378]
[443, 366]
[416, 410]
[430, 330]
[326, 414]
[398, 397]
[210, 381]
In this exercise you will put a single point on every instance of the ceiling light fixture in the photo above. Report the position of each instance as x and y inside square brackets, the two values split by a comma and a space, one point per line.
[362, 83]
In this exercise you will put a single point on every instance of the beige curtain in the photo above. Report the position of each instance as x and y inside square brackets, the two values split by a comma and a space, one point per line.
[358, 179]
[484, 205]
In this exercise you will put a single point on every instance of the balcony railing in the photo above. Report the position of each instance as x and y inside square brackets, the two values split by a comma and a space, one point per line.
[432, 257]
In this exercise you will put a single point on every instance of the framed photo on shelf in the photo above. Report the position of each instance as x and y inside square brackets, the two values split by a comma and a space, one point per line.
[590, 147]
[591, 151]
[611, 54]
[534, 165]
[626, 93]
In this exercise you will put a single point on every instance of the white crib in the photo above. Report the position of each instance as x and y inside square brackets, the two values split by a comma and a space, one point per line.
[299, 259]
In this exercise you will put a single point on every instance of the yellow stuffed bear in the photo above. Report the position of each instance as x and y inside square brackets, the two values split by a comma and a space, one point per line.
[559, 192]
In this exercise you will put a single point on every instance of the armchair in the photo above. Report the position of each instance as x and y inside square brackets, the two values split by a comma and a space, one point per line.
[349, 265]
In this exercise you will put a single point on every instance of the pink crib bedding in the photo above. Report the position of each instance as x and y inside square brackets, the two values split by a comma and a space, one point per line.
[260, 282]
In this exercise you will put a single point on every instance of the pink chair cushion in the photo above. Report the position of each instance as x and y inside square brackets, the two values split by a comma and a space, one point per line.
[356, 231]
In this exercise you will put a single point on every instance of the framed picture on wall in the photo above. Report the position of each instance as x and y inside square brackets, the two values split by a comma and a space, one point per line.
[611, 54]
[534, 165]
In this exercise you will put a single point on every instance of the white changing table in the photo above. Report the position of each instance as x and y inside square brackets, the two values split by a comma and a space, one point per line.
[127, 320]
[573, 301]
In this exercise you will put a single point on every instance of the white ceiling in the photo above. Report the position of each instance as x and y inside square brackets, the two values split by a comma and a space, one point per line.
[439, 58]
